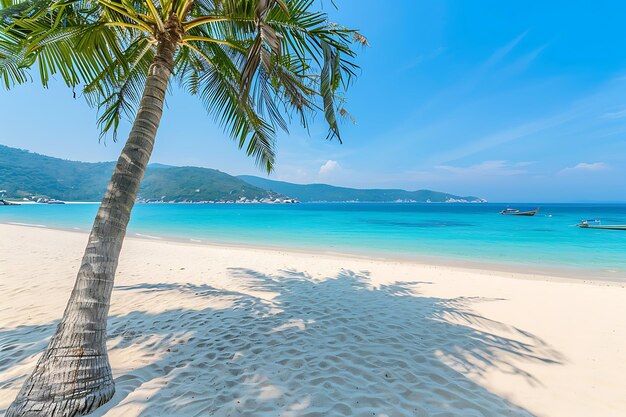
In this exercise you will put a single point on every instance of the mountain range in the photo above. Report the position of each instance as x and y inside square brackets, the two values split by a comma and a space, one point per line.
[25, 174]
[329, 193]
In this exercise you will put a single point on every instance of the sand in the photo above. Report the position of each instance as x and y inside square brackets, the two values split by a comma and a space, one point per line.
[198, 330]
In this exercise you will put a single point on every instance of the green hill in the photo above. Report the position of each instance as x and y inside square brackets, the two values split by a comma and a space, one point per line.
[197, 184]
[25, 174]
[329, 193]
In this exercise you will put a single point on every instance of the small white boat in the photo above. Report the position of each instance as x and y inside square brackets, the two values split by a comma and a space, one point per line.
[515, 212]
[597, 224]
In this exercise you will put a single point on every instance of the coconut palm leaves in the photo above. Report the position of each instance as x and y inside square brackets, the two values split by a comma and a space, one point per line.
[253, 63]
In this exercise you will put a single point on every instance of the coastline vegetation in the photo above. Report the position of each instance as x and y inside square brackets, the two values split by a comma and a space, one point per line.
[25, 174]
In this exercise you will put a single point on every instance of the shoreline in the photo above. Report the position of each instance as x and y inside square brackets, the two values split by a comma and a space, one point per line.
[557, 274]
[197, 329]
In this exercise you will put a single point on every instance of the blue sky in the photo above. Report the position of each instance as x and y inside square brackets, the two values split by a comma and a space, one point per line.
[511, 101]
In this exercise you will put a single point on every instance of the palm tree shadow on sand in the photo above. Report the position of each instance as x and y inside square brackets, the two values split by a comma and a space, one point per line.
[330, 347]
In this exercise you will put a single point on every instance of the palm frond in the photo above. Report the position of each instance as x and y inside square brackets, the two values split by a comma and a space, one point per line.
[210, 73]
[255, 64]
[13, 62]
[116, 91]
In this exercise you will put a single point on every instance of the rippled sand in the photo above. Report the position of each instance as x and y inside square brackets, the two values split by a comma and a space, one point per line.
[209, 331]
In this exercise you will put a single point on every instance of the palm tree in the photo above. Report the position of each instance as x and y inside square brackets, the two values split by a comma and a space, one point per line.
[254, 64]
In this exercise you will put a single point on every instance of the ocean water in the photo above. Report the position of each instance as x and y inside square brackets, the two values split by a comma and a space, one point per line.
[473, 233]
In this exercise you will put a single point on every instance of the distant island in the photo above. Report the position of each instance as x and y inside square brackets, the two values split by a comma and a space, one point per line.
[27, 175]
[31, 176]
[331, 194]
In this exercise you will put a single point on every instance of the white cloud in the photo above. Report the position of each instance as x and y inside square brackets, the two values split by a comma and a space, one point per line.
[524, 62]
[505, 136]
[502, 52]
[487, 168]
[615, 115]
[585, 166]
[329, 167]
[423, 58]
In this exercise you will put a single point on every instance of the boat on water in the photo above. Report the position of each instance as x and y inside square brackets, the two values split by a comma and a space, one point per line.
[515, 212]
[597, 224]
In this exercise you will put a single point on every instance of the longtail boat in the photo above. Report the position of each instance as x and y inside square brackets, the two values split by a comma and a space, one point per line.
[597, 224]
[515, 212]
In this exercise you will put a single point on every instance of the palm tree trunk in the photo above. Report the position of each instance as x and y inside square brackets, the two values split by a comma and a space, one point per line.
[73, 377]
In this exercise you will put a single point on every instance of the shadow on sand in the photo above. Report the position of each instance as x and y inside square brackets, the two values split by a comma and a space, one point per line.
[330, 347]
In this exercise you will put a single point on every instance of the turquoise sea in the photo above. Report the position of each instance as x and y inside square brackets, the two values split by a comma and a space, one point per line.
[463, 233]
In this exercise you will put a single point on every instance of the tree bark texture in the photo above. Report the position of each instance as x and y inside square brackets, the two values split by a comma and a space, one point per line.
[73, 377]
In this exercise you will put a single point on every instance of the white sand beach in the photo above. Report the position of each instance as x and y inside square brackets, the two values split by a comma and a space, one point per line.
[199, 330]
